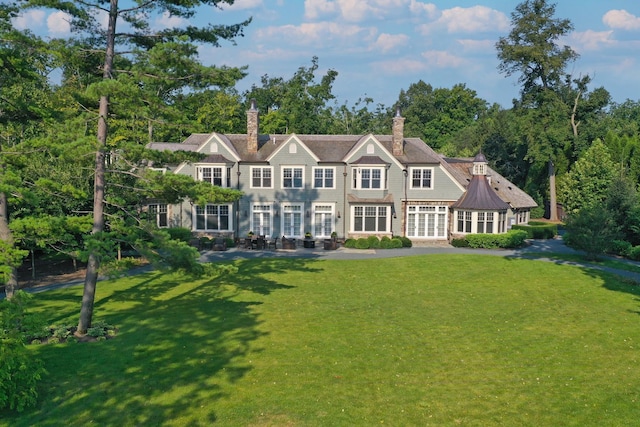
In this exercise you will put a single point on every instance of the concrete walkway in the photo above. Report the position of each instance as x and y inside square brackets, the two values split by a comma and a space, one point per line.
[535, 249]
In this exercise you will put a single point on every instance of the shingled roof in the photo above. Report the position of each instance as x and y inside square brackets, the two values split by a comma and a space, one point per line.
[462, 171]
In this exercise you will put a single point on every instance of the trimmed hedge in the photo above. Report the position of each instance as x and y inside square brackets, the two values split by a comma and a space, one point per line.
[512, 239]
[634, 253]
[538, 230]
[362, 243]
[373, 242]
[621, 248]
[180, 233]
[460, 243]
[406, 242]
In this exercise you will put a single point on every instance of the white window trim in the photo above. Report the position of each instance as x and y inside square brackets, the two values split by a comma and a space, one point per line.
[439, 210]
[387, 221]
[252, 168]
[356, 184]
[224, 167]
[497, 228]
[301, 231]
[292, 167]
[333, 218]
[410, 178]
[254, 227]
[158, 211]
[194, 218]
[313, 177]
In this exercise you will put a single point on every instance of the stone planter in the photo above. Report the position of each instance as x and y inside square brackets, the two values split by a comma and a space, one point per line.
[288, 243]
[330, 245]
[309, 243]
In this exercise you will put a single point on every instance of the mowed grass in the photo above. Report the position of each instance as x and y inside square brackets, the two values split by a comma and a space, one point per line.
[429, 340]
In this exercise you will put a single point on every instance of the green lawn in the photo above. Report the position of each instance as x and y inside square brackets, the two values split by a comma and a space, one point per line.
[428, 340]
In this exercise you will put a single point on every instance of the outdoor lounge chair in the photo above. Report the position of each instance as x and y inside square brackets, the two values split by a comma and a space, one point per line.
[219, 244]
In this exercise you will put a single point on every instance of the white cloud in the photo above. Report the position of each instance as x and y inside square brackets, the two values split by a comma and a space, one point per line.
[317, 33]
[168, 21]
[591, 40]
[477, 46]
[419, 8]
[354, 10]
[30, 19]
[242, 5]
[621, 19]
[400, 66]
[442, 59]
[314, 9]
[59, 23]
[388, 42]
[473, 19]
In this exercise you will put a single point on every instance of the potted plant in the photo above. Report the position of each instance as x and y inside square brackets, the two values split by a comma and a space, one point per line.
[250, 234]
[332, 243]
[308, 241]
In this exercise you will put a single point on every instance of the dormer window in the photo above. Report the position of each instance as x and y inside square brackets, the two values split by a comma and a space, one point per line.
[214, 175]
[369, 178]
[479, 168]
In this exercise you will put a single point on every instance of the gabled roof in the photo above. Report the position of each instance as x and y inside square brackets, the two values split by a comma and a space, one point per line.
[369, 160]
[327, 148]
[295, 138]
[508, 192]
[215, 158]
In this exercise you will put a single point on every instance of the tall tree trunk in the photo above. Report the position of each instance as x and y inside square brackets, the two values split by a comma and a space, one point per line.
[6, 235]
[93, 264]
[553, 209]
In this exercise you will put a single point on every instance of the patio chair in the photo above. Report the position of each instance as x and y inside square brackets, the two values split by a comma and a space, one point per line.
[219, 244]
[273, 243]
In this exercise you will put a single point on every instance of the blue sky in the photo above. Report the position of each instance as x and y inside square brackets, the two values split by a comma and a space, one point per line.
[379, 47]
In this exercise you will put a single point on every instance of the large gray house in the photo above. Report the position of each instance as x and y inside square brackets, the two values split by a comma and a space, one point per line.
[355, 185]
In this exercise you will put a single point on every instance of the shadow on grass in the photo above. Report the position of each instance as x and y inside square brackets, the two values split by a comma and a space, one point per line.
[182, 344]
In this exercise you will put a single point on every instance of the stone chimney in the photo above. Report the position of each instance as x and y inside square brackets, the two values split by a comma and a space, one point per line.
[252, 128]
[398, 134]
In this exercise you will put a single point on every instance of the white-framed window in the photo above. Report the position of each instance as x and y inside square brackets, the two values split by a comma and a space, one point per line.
[371, 218]
[502, 220]
[159, 213]
[484, 223]
[213, 218]
[427, 221]
[324, 177]
[292, 177]
[261, 177]
[422, 178]
[369, 178]
[323, 220]
[261, 219]
[214, 175]
[292, 219]
[465, 221]
[523, 217]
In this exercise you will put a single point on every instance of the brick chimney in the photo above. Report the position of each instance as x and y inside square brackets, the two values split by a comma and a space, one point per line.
[252, 128]
[398, 134]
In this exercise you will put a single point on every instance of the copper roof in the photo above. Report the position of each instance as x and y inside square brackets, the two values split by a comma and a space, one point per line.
[508, 192]
[480, 196]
